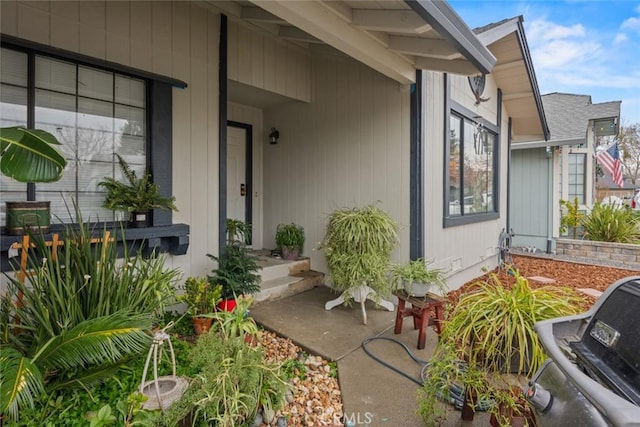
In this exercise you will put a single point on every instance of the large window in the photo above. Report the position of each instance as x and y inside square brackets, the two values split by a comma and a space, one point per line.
[472, 169]
[94, 113]
[577, 170]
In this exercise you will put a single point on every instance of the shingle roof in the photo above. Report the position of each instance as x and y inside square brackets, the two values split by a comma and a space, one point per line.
[568, 114]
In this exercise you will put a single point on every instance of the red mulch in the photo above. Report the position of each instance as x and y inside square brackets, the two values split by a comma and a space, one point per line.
[568, 274]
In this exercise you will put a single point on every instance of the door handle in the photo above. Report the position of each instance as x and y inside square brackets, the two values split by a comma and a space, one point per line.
[243, 190]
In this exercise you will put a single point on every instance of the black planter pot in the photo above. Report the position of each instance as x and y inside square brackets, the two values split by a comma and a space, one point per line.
[138, 219]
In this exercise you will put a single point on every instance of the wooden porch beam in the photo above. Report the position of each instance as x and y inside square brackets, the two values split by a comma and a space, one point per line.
[322, 23]
[396, 21]
[436, 48]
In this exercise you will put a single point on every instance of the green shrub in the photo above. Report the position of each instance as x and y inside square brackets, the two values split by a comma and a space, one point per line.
[607, 223]
[83, 312]
[232, 380]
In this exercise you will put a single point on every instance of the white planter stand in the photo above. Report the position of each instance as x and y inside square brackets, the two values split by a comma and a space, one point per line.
[360, 295]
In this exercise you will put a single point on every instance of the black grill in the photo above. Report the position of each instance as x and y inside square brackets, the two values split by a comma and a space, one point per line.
[615, 366]
[592, 377]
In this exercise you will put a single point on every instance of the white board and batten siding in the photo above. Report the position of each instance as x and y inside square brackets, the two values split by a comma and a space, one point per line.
[261, 61]
[348, 148]
[175, 39]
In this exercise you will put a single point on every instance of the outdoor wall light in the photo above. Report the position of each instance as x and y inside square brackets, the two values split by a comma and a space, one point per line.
[273, 136]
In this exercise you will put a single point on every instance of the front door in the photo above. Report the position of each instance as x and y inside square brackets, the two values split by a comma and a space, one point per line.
[238, 173]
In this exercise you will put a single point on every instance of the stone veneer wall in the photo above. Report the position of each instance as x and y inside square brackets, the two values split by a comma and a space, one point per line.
[601, 252]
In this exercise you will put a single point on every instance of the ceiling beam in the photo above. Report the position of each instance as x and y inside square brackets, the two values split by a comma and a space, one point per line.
[397, 21]
[436, 48]
[254, 13]
[293, 33]
[517, 95]
[325, 25]
[456, 66]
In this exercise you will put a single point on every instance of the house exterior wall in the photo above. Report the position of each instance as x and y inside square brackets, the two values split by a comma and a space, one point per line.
[531, 198]
[348, 148]
[264, 62]
[175, 39]
[463, 250]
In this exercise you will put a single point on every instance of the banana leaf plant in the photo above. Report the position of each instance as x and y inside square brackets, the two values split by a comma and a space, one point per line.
[29, 155]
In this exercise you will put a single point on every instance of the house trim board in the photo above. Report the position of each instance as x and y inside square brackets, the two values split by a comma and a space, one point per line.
[222, 135]
[416, 189]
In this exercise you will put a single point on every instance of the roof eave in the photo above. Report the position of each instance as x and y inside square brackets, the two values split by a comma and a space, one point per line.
[452, 28]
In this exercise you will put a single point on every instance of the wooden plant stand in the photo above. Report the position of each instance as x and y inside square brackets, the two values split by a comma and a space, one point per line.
[423, 310]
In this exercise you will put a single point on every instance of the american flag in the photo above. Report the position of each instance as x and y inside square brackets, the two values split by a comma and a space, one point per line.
[609, 159]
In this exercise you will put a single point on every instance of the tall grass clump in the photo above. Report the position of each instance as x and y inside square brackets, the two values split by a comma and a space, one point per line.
[608, 223]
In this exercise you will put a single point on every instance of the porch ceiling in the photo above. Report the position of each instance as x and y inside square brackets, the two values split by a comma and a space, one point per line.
[394, 37]
[516, 78]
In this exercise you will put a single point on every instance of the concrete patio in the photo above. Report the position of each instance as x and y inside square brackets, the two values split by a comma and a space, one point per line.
[372, 394]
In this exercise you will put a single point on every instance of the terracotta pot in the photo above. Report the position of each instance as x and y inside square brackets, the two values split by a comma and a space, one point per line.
[201, 325]
[227, 304]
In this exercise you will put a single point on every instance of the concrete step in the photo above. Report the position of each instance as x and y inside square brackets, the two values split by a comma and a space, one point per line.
[290, 285]
[273, 268]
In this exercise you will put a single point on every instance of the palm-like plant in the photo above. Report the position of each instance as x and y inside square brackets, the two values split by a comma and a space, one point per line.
[81, 313]
[28, 155]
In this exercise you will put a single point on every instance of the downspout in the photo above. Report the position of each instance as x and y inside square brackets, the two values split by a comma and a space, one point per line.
[550, 175]
[510, 124]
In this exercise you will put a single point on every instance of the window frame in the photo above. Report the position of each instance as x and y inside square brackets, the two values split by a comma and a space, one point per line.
[163, 234]
[453, 108]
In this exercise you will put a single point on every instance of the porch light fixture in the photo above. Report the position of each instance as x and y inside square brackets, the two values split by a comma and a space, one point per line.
[273, 136]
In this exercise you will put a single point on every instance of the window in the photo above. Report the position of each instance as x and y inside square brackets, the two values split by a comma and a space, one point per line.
[94, 113]
[472, 169]
[577, 170]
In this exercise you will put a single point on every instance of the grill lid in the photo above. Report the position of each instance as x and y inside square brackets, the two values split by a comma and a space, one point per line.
[609, 349]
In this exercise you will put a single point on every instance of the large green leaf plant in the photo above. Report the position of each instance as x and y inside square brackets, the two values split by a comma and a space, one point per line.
[29, 155]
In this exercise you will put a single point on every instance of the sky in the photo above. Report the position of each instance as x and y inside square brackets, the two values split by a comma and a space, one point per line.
[586, 47]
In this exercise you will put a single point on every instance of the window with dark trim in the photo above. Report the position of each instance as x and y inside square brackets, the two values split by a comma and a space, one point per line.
[94, 113]
[96, 108]
[471, 161]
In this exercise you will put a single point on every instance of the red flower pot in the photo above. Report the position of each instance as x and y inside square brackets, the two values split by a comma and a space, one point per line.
[227, 304]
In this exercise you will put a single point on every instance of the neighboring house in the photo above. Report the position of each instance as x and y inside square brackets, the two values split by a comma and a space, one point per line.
[606, 188]
[562, 168]
[370, 100]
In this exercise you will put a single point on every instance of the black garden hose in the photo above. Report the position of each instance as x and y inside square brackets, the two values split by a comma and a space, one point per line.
[456, 392]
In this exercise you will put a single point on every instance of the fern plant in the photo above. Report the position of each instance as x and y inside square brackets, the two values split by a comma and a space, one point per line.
[138, 194]
[237, 272]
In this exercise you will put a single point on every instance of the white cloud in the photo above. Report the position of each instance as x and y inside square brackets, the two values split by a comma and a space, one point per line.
[632, 24]
[620, 38]
[560, 53]
[638, 8]
[541, 29]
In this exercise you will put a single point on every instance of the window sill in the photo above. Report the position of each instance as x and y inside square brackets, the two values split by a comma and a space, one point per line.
[172, 239]
[469, 219]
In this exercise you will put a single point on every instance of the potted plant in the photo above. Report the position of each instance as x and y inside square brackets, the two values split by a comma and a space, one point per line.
[238, 232]
[237, 323]
[28, 155]
[201, 298]
[290, 240]
[417, 278]
[493, 325]
[357, 248]
[237, 272]
[137, 196]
